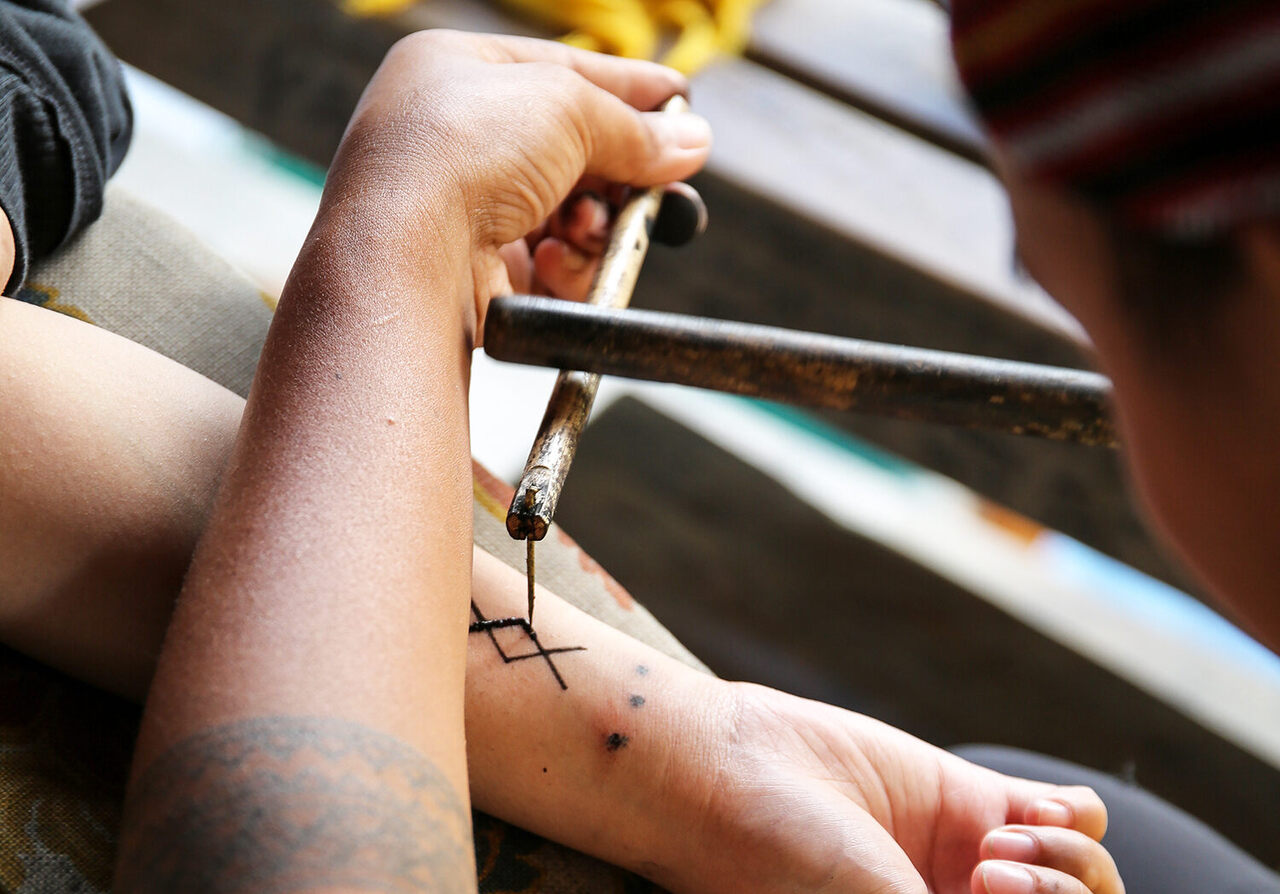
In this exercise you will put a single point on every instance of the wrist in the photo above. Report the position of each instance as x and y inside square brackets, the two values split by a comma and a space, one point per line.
[389, 241]
[629, 784]
[682, 749]
[623, 764]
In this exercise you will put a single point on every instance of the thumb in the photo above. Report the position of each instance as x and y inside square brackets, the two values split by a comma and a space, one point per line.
[641, 148]
[873, 863]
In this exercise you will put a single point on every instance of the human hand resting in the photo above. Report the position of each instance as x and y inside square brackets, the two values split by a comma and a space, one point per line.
[465, 144]
[711, 787]
[810, 797]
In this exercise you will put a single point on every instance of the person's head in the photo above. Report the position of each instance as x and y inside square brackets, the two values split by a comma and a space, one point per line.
[1158, 121]
[1140, 144]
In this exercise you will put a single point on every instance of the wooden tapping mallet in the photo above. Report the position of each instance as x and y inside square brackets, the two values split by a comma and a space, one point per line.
[805, 368]
[785, 365]
[538, 491]
[812, 369]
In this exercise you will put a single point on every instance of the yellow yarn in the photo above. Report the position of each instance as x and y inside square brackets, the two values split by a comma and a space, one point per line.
[362, 8]
[699, 29]
[634, 28]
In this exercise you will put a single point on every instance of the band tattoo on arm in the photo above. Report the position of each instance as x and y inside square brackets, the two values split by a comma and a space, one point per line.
[489, 625]
[278, 804]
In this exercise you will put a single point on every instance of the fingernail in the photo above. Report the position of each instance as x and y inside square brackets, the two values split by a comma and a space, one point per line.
[1051, 813]
[1007, 878]
[688, 131]
[1016, 846]
[599, 211]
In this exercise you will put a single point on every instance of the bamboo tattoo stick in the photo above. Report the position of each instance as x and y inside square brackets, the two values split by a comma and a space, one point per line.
[804, 368]
[538, 490]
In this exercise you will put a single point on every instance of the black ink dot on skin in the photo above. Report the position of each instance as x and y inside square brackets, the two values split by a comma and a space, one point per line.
[636, 700]
[641, 670]
[616, 741]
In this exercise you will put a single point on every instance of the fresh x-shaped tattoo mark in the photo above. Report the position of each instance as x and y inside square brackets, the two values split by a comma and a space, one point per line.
[489, 625]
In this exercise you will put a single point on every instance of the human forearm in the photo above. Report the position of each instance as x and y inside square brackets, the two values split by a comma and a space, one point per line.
[110, 512]
[126, 494]
[356, 429]
[617, 763]
[327, 599]
[109, 461]
[708, 786]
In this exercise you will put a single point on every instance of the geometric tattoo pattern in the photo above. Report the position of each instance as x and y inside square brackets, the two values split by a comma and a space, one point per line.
[277, 804]
[488, 626]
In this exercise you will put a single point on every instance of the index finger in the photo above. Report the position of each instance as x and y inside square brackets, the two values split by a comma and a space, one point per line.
[639, 83]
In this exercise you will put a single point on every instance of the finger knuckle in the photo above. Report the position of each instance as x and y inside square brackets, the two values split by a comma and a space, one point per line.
[1058, 883]
[424, 42]
[1075, 859]
[563, 79]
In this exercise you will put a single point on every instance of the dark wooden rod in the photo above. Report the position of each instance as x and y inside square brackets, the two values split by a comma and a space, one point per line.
[804, 368]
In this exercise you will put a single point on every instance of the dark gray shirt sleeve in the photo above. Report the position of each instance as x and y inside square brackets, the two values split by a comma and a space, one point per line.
[65, 123]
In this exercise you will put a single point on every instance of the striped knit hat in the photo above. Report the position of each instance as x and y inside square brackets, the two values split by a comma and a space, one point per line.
[1167, 111]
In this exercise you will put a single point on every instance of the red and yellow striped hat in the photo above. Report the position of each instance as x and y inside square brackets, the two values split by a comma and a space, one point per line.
[1167, 111]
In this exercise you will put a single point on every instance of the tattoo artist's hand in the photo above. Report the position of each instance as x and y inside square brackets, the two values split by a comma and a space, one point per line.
[560, 257]
[464, 144]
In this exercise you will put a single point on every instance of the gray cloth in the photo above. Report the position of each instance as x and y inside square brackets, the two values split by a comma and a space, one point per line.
[65, 123]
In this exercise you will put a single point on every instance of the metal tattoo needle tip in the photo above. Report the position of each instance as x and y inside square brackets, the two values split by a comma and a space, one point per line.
[528, 573]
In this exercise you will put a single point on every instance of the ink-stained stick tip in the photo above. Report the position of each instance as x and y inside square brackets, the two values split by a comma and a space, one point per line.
[529, 515]
[527, 527]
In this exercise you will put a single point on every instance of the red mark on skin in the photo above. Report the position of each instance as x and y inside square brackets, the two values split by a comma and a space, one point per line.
[493, 486]
[621, 596]
[592, 567]
[501, 492]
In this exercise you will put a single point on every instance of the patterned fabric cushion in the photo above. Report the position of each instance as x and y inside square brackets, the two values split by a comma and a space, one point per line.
[64, 747]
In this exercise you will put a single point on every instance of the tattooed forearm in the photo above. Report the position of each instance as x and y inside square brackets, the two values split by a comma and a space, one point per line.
[279, 804]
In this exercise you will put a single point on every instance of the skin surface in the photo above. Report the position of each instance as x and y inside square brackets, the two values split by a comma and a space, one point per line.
[1198, 405]
[296, 609]
[7, 249]
[364, 811]
[273, 632]
[708, 786]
